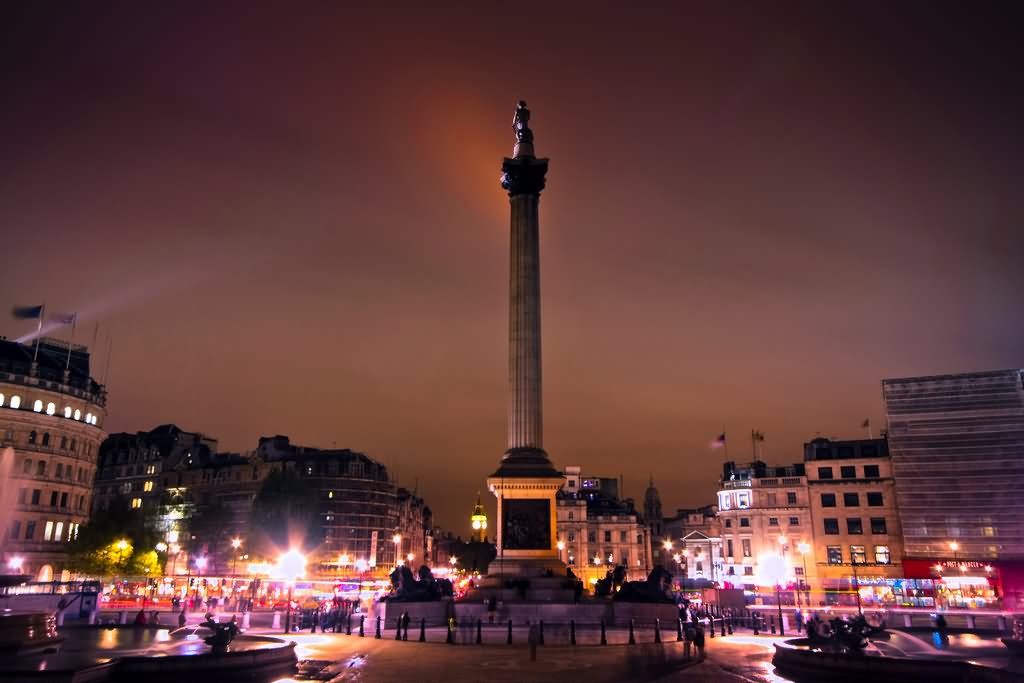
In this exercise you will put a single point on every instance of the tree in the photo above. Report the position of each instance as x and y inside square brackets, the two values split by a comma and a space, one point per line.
[285, 514]
[117, 540]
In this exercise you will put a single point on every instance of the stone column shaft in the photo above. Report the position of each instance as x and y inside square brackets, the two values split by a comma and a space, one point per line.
[525, 428]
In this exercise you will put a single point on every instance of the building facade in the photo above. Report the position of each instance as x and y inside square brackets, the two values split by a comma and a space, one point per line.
[51, 426]
[765, 521]
[857, 538]
[597, 530]
[957, 444]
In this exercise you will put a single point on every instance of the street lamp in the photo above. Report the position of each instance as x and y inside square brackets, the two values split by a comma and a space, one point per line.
[290, 566]
[778, 580]
[856, 585]
[397, 540]
[15, 563]
[236, 543]
[805, 548]
[954, 546]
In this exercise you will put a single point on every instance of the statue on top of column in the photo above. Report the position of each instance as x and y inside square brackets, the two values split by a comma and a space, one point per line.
[521, 124]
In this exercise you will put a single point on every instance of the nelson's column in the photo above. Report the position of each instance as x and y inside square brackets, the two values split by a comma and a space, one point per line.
[526, 482]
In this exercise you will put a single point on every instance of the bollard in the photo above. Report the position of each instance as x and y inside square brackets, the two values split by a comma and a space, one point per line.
[405, 626]
[377, 635]
[362, 618]
[756, 624]
[450, 638]
[509, 631]
[316, 618]
[657, 631]
[632, 636]
[679, 630]
[423, 630]
[772, 618]
[60, 617]
[722, 632]
[604, 636]
[348, 624]
[246, 619]
[276, 623]
[711, 630]
[730, 626]
[541, 641]
[572, 631]
[479, 632]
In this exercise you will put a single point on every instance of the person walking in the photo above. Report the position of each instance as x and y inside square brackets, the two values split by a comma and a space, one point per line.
[533, 638]
[688, 635]
[698, 641]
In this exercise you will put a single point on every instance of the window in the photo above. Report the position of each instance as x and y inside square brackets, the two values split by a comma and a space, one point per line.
[831, 526]
[48, 531]
[38, 408]
[46, 438]
[791, 498]
[882, 554]
[743, 500]
[746, 547]
[824, 473]
[748, 571]
[848, 472]
[851, 500]
[32, 436]
[794, 521]
[871, 472]
[16, 529]
[854, 525]
[53, 499]
[136, 503]
[570, 515]
[770, 500]
[728, 524]
[878, 525]
[591, 536]
[67, 412]
[875, 498]
[773, 521]
[857, 554]
[59, 471]
[835, 554]
[64, 499]
[728, 546]
[35, 496]
[26, 466]
[41, 468]
[828, 500]
[30, 527]
[572, 483]
[744, 521]
[622, 537]
[571, 536]
[639, 539]
[58, 532]
[151, 469]
[15, 402]
[607, 536]
[148, 486]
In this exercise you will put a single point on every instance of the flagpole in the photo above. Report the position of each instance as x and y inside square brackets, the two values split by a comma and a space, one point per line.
[39, 332]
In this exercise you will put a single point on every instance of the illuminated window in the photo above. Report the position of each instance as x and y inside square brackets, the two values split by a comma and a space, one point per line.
[743, 500]
[37, 407]
[148, 486]
[51, 408]
[857, 554]
[151, 469]
[136, 503]
[58, 532]
[746, 547]
[15, 402]
[78, 414]
[48, 531]
[88, 418]
[1, 399]
[882, 555]
[835, 554]
[988, 531]
[67, 411]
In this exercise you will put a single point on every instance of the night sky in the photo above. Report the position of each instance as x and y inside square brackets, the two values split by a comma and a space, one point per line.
[288, 219]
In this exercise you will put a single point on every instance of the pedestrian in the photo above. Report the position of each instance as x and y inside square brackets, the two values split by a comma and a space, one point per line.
[688, 634]
[698, 641]
[140, 618]
[799, 617]
[533, 638]
[154, 618]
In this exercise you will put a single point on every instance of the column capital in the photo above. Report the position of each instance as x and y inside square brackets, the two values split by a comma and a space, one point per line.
[524, 175]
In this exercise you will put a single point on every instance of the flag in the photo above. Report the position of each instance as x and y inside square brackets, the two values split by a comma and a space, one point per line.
[866, 423]
[63, 318]
[719, 442]
[27, 312]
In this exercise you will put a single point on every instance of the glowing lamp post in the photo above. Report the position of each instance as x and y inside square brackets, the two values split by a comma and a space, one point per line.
[15, 564]
[805, 548]
[236, 543]
[561, 547]
[290, 566]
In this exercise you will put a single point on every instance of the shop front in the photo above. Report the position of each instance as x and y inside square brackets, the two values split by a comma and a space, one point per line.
[952, 584]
